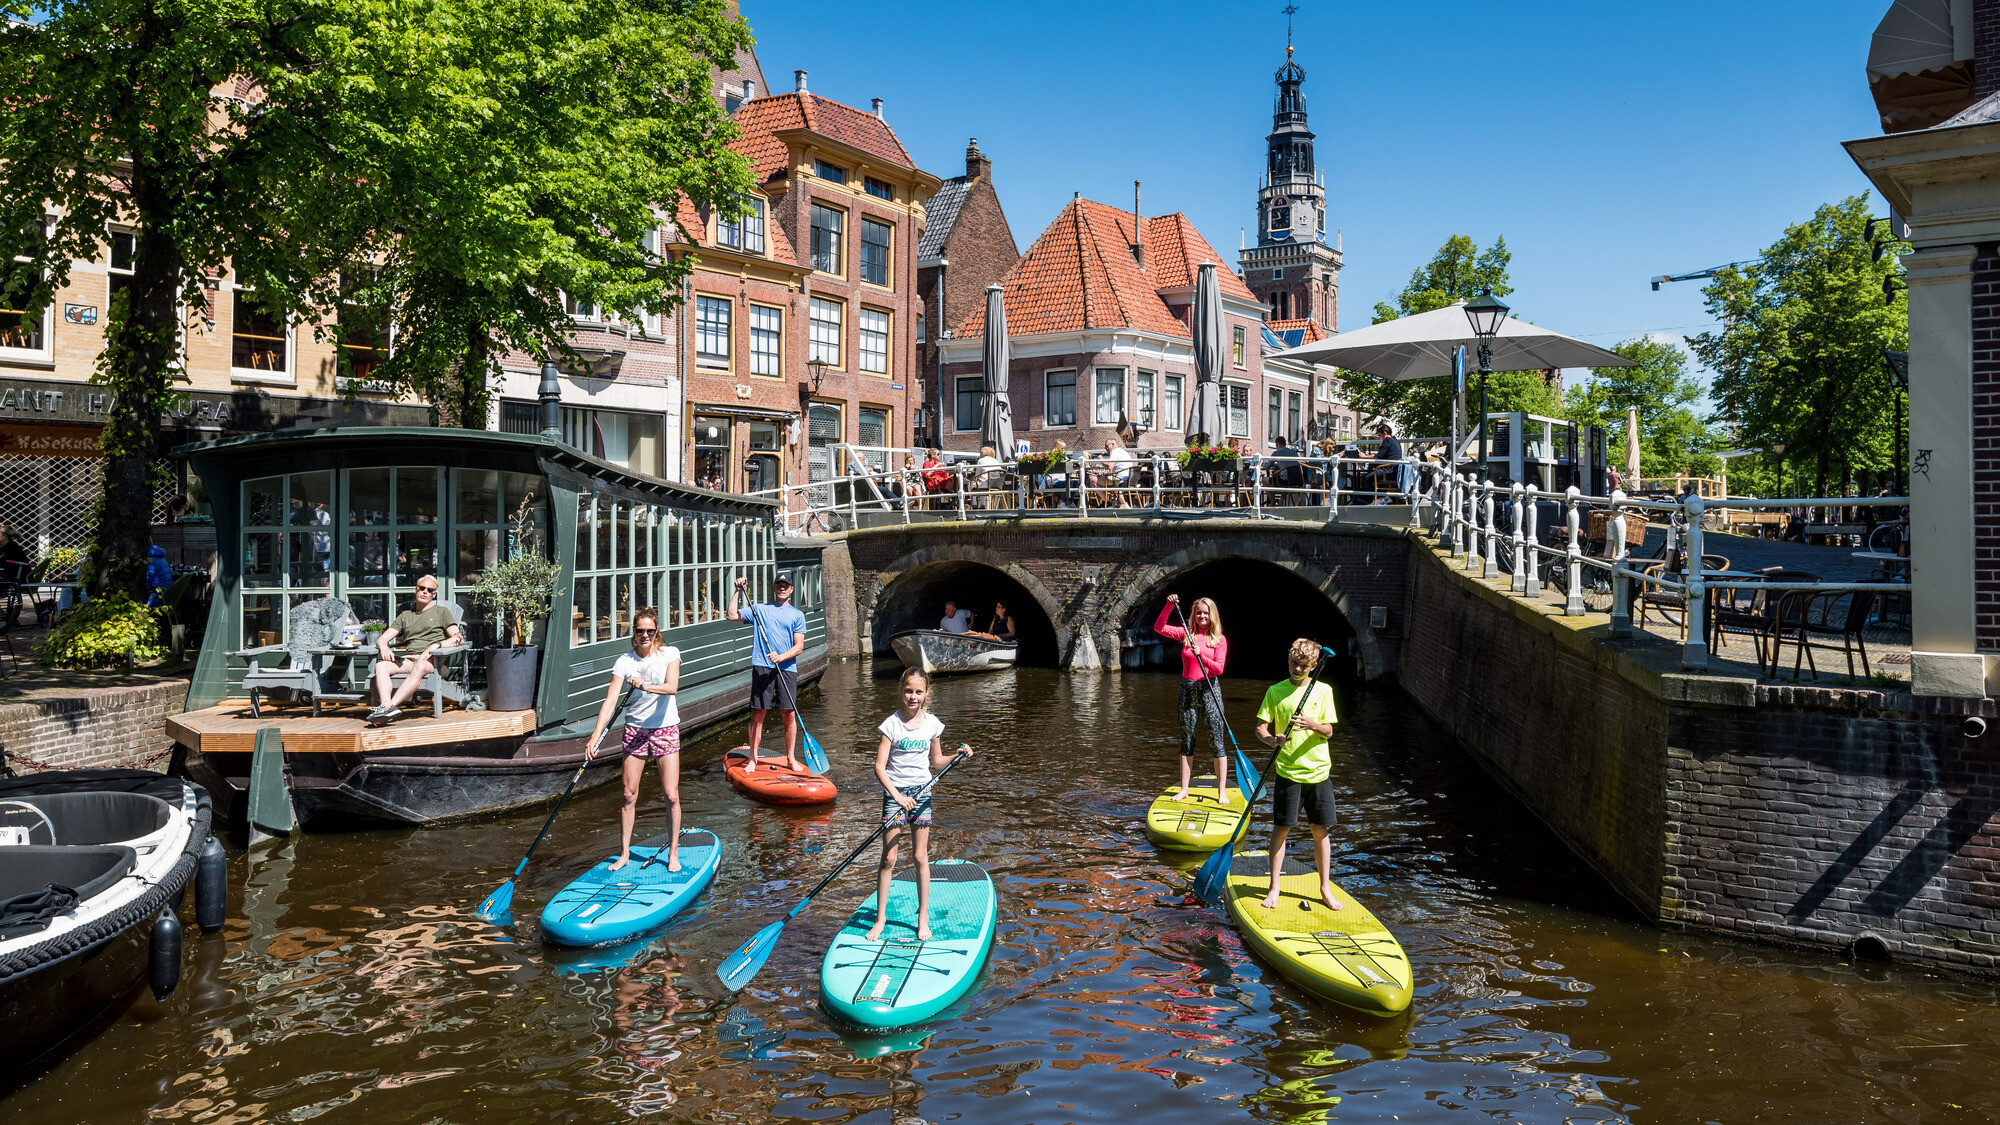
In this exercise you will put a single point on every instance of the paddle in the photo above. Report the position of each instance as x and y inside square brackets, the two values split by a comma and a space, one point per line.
[1213, 876]
[815, 757]
[494, 906]
[1246, 774]
[737, 968]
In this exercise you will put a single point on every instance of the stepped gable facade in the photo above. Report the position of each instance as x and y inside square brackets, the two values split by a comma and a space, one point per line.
[967, 246]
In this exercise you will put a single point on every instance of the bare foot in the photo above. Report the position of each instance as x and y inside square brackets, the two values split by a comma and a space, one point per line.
[1221, 797]
[1181, 796]
[792, 764]
[673, 861]
[923, 929]
[1271, 900]
[1326, 896]
[623, 859]
[875, 932]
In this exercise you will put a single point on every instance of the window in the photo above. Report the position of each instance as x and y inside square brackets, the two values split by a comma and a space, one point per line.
[119, 269]
[1275, 424]
[1143, 399]
[762, 470]
[827, 226]
[766, 332]
[1294, 406]
[1237, 398]
[1172, 414]
[745, 233]
[712, 437]
[731, 98]
[580, 308]
[1108, 407]
[22, 328]
[631, 441]
[1237, 347]
[873, 325]
[1059, 399]
[259, 340]
[875, 252]
[824, 330]
[363, 334]
[832, 173]
[822, 431]
[874, 431]
[1323, 390]
[878, 188]
[920, 328]
[969, 406]
[711, 331]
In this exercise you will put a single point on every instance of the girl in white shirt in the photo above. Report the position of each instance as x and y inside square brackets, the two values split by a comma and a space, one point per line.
[652, 670]
[910, 747]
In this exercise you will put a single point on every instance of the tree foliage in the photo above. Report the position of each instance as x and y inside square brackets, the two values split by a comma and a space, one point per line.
[483, 159]
[1674, 438]
[1799, 359]
[1458, 272]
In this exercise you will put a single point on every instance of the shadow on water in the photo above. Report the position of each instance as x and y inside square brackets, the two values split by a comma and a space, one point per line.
[353, 982]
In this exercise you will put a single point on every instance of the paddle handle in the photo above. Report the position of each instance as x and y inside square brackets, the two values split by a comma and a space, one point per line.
[571, 787]
[872, 837]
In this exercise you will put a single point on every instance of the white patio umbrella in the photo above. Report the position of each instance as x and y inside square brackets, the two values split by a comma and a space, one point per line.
[1632, 447]
[1420, 347]
[1205, 416]
[996, 417]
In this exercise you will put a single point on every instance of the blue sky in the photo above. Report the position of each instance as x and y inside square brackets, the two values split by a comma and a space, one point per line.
[1607, 142]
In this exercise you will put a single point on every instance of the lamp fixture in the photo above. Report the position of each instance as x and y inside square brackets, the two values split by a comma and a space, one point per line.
[816, 372]
[1487, 313]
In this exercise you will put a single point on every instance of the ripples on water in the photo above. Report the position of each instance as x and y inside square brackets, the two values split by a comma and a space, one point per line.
[353, 982]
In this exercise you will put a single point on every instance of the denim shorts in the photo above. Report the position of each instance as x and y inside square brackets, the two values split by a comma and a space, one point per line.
[892, 812]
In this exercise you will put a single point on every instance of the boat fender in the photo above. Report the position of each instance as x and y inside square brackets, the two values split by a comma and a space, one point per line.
[164, 970]
[211, 886]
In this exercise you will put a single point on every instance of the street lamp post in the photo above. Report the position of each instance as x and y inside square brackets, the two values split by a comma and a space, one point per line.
[1899, 370]
[1778, 447]
[1487, 313]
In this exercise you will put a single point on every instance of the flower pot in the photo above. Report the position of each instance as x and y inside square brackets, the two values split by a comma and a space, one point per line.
[510, 677]
[1215, 464]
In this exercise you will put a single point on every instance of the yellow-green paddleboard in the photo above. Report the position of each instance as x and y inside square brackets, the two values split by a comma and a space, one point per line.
[1344, 955]
[1199, 824]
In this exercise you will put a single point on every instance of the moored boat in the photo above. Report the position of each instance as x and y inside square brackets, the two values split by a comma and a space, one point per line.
[382, 508]
[941, 654]
[92, 863]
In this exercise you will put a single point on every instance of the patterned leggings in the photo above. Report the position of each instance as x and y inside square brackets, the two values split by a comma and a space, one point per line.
[1197, 699]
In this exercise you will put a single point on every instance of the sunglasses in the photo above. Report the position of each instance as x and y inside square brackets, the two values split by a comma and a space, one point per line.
[645, 632]
[427, 589]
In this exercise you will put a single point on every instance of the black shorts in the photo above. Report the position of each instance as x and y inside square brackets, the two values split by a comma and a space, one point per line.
[766, 692]
[1313, 798]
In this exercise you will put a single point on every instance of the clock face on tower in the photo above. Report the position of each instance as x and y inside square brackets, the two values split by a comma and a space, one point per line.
[1281, 220]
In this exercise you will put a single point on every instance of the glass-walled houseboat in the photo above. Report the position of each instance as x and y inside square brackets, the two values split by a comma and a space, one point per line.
[362, 514]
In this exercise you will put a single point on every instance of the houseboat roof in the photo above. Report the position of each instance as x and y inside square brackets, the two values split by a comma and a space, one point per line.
[291, 444]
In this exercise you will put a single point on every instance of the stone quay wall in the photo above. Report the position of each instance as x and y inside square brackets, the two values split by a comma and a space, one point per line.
[101, 728]
[1801, 814]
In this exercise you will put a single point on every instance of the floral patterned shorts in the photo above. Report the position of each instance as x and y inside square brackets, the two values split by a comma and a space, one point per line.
[652, 742]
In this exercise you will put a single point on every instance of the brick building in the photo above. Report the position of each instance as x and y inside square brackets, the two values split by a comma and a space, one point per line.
[1097, 316]
[967, 246]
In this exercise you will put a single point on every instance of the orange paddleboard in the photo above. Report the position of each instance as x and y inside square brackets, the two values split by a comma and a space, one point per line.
[775, 784]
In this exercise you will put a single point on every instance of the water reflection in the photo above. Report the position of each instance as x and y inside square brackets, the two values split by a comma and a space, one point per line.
[354, 983]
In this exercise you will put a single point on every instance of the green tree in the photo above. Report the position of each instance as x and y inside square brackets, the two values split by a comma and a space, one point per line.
[1674, 438]
[1458, 272]
[489, 156]
[1799, 359]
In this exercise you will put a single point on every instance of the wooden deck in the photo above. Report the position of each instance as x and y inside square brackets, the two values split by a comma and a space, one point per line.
[229, 727]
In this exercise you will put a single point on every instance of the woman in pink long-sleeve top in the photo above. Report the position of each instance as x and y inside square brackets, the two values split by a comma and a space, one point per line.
[1204, 650]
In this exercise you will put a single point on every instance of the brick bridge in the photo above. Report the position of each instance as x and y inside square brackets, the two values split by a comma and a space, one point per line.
[1084, 592]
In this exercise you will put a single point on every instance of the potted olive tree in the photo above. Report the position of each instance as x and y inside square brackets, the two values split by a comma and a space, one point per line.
[519, 589]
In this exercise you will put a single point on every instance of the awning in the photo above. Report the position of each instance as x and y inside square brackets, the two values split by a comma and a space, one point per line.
[737, 411]
[1920, 63]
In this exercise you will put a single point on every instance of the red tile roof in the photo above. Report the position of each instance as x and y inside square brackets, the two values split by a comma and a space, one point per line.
[1080, 274]
[1310, 331]
[762, 118]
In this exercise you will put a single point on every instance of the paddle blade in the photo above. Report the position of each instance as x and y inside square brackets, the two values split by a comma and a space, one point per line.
[1247, 777]
[815, 757]
[495, 906]
[1213, 877]
[737, 968]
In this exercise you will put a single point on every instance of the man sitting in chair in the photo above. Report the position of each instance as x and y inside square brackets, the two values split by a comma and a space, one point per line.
[423, 630]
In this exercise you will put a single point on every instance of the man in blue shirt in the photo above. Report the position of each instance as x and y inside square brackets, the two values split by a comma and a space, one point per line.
[778, 636]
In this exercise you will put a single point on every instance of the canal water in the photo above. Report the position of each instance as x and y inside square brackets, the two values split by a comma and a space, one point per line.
[353, 982]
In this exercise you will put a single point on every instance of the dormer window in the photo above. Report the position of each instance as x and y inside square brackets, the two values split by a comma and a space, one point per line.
[746, 232]
[831, 173]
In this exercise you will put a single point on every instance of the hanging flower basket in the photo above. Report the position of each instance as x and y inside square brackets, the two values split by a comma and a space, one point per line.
[1048, 461]
[1209, 459]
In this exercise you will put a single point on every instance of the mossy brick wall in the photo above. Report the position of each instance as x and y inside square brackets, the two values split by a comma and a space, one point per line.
[100, 728]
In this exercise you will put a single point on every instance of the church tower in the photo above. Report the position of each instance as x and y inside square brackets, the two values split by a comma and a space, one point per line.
[1292, 269]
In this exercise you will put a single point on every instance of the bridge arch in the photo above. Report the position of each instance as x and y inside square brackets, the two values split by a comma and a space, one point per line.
[1143, 594]
[974, 576]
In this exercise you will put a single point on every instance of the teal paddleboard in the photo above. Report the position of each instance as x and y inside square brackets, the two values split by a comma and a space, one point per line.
[900, 980]
[602, 906]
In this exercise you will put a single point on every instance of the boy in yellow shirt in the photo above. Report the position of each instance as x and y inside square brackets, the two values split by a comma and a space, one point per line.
[1298, 715]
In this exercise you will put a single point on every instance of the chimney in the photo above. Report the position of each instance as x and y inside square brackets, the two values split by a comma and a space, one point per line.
[799, 77]
[977, 167]
[1138, 229]
[878, 107]
[749, 88]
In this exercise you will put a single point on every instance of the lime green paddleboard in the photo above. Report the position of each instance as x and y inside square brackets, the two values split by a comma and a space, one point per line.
[1199, 824]
[900, 980]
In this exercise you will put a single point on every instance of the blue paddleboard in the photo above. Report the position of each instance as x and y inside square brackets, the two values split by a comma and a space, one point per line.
[602, 906]
[899, 980]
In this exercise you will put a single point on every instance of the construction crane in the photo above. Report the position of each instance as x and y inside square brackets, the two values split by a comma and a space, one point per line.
[1695, 276]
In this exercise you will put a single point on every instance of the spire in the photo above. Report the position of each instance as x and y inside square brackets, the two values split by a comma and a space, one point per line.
[1290, 11]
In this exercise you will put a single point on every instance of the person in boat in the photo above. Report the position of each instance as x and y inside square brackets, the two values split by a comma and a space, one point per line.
[1204, 650]
[1297, 716]
[1000, 628]
[911, 747]
[778, 636]
[421, 631]
[651, 672]
[955, 620]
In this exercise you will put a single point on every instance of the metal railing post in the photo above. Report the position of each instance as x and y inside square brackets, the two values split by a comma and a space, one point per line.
[1532, 586]
[1020, 488]
[1520, 543]
[964, 483]
[1256, 489]
[1573, 555]
[904, 479]
[1491, 569]
[1694, 647]
[1080, 477]
[1468, 525]
[1621, 588]
[1159, 473]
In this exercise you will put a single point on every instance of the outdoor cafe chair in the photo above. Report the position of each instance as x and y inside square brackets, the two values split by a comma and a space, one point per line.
[302, 671]
[449, 674]
[1804, 615]
[1670, 601]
